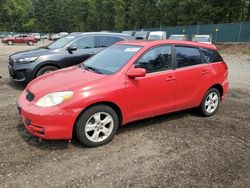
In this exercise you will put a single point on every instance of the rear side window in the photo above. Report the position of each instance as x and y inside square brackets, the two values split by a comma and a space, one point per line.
[211, 56]
[84, 43]
[156, 59]
[187, 56]
[106, 41]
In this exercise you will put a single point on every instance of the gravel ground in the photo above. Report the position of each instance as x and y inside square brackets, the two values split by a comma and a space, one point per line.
[175, 150]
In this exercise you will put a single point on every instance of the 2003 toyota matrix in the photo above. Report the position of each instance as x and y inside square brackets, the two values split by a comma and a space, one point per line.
[128, 81]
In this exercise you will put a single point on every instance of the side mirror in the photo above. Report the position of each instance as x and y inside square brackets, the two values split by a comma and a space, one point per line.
[136, 72]
[72, 48]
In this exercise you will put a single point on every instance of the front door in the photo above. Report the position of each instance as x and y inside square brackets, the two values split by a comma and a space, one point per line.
[85, 48]
[155, 93]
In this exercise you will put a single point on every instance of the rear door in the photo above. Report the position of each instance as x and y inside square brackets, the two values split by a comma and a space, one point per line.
[102, 41]
[191, 75]
[25, 38]
[155, 93]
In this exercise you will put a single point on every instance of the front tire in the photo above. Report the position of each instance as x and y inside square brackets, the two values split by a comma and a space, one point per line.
[10, 42]
[97, 126]
[45, 70]
[210, 102]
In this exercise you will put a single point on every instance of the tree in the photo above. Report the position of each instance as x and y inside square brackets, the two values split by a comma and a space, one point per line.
[120, 15]
[97, 15]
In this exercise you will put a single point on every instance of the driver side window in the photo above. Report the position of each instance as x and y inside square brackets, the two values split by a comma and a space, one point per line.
[84, 43]
[157, 59]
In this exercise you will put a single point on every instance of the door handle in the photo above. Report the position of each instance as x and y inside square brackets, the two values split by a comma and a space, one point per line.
[204, 71]
[91, 53]
[170, 78]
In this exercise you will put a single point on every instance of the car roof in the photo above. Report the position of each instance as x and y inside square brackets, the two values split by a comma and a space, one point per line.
[79, 34]
[177, 35]
[157, 32]
[149, 43]
[202, 36]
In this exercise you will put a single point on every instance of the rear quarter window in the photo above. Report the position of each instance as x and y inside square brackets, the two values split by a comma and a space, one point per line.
[211, 56]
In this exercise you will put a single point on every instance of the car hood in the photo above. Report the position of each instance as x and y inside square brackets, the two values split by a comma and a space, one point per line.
[33, 53]
[72, 78]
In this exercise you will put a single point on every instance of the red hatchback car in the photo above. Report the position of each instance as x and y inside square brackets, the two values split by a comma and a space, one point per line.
[126, 82]
[21, 38]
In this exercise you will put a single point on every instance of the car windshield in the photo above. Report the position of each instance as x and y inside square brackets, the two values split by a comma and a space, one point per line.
[60, 43]
[111, 59]
[201, 39]
[177, 38]
[155, 37]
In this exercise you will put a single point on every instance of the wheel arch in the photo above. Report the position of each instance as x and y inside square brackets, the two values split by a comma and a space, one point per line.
[219, 88]
[44, 64]
[216, 86]
[108, 103]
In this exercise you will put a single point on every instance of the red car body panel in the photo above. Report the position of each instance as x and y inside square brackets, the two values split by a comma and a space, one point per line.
[155, 94]
[20, 39]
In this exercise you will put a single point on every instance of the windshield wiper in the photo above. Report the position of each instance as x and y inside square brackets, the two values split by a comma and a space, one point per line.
[91, 69]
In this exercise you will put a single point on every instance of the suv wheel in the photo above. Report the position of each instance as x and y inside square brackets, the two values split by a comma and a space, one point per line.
[30, 43]
[10, 42]
[97, 126]
[210, 102]
[46, 70]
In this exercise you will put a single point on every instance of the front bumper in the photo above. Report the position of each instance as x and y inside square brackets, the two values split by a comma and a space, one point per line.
[47, 123]
[20, 73]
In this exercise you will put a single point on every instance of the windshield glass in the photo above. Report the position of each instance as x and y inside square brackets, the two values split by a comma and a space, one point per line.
[111, 59]
[177, 37]
[60, 43]
[154, 37]
[201, 39]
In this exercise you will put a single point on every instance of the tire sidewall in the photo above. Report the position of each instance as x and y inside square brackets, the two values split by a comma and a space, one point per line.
[202, 106]
[44, 69]
[30, 43]
[81, 123]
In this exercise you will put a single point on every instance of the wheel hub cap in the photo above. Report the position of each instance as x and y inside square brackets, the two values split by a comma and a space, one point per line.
[99, 126]
[211, 102]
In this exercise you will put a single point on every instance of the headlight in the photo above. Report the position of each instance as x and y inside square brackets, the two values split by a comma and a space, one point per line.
[53, 99]
[27, 59]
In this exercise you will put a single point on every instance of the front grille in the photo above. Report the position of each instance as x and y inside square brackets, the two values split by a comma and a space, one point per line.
[29, 96]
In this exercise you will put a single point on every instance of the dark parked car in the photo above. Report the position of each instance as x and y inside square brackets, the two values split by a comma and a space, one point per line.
[20, 38]
[142, 35]
[67, 51]
[132, 33]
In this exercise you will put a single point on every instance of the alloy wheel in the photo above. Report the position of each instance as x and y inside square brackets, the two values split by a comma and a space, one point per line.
[211, 102]
[99, 126]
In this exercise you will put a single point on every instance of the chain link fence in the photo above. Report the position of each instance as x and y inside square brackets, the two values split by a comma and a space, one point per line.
[229, 32]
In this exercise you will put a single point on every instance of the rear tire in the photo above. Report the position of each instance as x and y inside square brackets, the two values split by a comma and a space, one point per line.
[45, 70]
[30, 43]
[97, 126]
[10, 42]
[210, 102]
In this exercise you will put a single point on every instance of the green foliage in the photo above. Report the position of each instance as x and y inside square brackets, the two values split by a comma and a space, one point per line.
[97, 15]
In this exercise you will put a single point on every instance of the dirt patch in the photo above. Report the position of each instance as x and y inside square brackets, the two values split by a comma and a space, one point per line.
[234, 48]
[175, 150]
